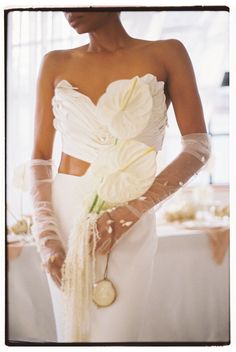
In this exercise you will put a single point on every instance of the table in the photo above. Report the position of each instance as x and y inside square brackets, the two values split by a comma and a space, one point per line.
[190, 294]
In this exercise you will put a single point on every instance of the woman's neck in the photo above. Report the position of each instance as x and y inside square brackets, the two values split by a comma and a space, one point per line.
[110, 37]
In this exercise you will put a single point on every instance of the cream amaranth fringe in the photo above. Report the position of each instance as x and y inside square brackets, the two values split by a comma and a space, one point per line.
[78, 275]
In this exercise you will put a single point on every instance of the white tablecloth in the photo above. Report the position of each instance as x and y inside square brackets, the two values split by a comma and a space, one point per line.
[30, 310]
[190, 294]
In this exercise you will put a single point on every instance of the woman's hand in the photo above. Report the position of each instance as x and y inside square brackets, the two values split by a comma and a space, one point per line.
[112, 225]
[53, 265]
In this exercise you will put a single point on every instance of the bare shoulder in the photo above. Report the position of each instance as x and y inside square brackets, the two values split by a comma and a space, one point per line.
[54, 57]
[57, 57]
[174, 57]
[171, 44]
[170, 49]
[175, 49]
[54, 62]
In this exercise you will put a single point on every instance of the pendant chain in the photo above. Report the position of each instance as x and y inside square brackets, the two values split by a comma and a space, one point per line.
[105, 272]
[108, 256]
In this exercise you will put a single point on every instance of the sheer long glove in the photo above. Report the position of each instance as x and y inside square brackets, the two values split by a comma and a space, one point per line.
[45, 229]
[194, 155]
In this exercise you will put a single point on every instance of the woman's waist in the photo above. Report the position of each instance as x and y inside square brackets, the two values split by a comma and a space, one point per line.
[72, 166]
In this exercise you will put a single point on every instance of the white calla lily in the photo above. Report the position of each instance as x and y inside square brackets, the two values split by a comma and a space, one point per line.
[126, 171]
[126, 107]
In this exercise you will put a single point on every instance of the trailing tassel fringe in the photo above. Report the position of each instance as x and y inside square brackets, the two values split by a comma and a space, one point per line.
[78, 276]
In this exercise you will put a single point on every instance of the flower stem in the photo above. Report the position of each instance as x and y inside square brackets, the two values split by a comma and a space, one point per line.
[100, 207]
[94, 203]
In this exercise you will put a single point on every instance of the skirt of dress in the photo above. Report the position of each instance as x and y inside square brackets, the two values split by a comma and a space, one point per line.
[130, 268]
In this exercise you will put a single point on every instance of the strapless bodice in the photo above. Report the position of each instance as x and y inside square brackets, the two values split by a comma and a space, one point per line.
[128, 109]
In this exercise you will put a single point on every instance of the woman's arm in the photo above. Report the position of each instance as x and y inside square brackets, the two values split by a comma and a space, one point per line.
[45, 229]
[182, 88]
[183, 92]
[44, 131]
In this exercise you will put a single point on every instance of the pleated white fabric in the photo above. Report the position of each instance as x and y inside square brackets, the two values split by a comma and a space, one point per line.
[130, 268]
[86, 128]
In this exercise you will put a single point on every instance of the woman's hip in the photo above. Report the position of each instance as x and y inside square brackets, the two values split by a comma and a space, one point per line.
[68, 194]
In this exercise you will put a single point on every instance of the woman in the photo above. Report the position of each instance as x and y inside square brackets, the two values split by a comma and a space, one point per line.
[108, 99]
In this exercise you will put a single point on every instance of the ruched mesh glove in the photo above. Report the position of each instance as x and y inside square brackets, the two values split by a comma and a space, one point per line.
[45, 229]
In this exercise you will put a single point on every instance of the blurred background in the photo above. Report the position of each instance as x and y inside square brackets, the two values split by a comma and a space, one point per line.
[205, 35]
[193, 227]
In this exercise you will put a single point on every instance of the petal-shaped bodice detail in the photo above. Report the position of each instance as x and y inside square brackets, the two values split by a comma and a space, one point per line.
[128, 109]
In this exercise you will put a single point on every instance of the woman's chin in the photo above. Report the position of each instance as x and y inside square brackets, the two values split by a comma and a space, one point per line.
[79, 29]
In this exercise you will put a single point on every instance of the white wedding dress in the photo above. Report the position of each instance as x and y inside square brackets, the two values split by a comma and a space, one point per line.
[84, 134]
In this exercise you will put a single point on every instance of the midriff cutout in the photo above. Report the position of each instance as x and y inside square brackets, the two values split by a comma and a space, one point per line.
[72, 166]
